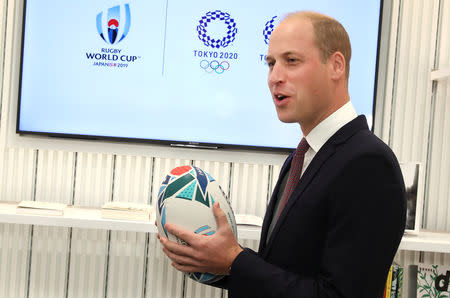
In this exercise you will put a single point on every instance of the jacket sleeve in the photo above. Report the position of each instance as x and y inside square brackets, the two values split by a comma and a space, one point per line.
[366, 213]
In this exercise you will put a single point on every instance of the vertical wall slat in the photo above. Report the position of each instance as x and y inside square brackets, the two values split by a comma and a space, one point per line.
[93, 179]
[249, 188]
[132, 179]
[162, 279]
[17, 174]
[438, 190]
[14, 245]
[48, 262]
[410, 118]
[54, 180]
[126, 261]
[87, 263]
[88, 251]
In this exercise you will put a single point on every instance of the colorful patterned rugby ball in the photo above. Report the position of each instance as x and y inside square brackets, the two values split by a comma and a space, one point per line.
[186, 198]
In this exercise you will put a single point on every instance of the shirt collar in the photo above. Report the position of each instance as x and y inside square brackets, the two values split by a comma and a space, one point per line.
[330, 125]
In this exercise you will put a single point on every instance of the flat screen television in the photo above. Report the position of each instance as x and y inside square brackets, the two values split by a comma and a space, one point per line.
[181, 73]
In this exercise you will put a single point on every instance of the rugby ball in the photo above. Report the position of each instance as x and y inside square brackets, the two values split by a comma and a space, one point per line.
[186, 199]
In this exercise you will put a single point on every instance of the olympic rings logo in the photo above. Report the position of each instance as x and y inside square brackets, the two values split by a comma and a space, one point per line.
[230, 25]
[215, 66]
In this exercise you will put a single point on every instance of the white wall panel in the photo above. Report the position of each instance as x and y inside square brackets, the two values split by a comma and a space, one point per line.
[410, 117]
[249, 188]
[48, 267]
[54, 177]
[3, 7]
[132, 179]
[14, 258]
[87, 265]
[17, 172]
[386, 69]
[6, 40]
[162, 279]
[126, 260]
[88, 248]
[49, 258]
[438, 190]
[93, 179]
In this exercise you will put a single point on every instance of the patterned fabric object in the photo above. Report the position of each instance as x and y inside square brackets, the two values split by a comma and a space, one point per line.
[295, 173]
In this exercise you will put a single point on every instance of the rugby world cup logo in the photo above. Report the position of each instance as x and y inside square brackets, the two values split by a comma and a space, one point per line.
[268, 29]
[229, 29]
[113, 24]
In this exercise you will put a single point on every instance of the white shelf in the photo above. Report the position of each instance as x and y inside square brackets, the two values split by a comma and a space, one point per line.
[440, 74]
[427, 241]
[90, 218]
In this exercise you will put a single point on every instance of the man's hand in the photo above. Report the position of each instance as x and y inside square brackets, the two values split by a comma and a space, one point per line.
[213, 254]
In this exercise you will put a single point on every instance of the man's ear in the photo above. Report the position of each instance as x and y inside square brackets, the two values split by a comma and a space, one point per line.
[337, 65]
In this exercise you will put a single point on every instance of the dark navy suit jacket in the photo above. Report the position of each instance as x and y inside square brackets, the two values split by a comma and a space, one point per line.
[339, 232]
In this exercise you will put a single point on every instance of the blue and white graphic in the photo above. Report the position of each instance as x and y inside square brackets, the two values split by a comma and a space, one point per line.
[145, 63]
[268, 28]
[210, 40]
[113, 23]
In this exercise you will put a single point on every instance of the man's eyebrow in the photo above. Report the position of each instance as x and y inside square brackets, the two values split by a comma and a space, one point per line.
[288, 53]
[285, 54]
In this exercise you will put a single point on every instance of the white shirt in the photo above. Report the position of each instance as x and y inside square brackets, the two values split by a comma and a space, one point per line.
[318, 136]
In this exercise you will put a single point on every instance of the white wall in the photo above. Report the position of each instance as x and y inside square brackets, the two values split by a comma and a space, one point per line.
[36, 261]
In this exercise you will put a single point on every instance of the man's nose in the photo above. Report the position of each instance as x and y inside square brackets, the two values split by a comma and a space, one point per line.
[276, 75]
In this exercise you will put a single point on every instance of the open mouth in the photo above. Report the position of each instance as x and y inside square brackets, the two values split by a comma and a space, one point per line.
[280, 97]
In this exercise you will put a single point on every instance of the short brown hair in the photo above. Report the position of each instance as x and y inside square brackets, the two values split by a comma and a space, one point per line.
[330, 35]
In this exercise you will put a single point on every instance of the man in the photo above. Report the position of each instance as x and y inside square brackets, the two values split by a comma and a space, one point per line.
[338, 231]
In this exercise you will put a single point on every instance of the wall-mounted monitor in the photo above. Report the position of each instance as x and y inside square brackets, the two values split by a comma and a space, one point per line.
[171, 71]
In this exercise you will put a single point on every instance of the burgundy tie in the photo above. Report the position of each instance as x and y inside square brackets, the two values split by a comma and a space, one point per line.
[295, 173]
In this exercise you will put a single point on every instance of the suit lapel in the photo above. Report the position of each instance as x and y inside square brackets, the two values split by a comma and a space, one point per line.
[319, 159]
[270, 208]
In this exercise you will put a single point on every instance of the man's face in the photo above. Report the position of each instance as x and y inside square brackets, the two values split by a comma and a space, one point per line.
[298, 79]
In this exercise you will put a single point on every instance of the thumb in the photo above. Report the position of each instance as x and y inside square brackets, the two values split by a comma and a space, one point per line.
[221, 217]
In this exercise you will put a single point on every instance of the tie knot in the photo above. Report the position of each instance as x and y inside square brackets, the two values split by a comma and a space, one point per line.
[303, 146]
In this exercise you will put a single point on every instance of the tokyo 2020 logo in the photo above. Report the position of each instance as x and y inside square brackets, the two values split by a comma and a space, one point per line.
[268, 29]
[230, 26]
[215, 66]
[114, 22]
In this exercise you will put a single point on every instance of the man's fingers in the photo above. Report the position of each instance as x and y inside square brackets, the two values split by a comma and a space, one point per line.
[220, 216]
[180, 259]
[185, 235]
[177, 248]
[185, 268]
